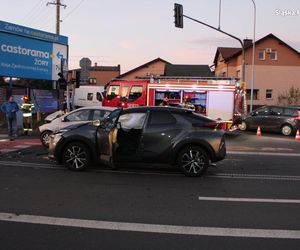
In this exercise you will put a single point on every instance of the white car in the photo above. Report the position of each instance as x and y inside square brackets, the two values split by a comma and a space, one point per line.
[77, 116]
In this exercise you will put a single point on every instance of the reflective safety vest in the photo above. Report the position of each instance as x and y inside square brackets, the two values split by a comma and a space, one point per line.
[27, 109]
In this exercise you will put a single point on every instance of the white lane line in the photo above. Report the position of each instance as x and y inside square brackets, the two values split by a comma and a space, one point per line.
[204, 198]
[221, 175]
[152, 228]
[255, 177]
[262, 153]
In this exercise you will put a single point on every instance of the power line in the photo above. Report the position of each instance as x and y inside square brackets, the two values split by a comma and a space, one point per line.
[75, 8]
[31, 11]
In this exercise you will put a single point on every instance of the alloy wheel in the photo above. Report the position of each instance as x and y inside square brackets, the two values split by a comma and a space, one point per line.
[193, 161]
[76, 156]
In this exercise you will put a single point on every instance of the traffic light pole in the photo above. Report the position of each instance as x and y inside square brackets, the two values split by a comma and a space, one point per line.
[243, 57]
[232, 36]
[179, 14]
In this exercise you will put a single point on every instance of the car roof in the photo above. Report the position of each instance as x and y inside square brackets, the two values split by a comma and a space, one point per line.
[95, 107]
[163, 108]
[281, 106]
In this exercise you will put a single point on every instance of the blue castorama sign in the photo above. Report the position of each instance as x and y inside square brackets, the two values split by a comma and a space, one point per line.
[30, 53]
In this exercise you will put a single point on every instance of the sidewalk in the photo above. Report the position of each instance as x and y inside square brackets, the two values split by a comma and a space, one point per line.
[19, 143]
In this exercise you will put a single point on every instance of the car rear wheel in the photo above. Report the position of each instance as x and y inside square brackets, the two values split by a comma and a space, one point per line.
[286, 130]
[243, 126]
[193, 161]
[45, 137]
[76, 156]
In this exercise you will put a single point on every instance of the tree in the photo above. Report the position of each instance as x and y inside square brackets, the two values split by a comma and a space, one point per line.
[290, 97]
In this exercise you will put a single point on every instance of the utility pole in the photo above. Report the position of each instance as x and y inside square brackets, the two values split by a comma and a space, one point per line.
[58, 5]
[60, 91]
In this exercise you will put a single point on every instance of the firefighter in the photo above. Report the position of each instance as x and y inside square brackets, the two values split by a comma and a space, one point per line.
[27, 108]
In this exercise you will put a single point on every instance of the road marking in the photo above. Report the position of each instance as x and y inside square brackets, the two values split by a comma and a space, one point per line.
[262, 153]
[221, 175]
[256, 177]
[230, 199]
[152, 228]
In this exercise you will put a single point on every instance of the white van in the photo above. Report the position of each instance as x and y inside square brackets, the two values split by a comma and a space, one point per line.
[88, 96]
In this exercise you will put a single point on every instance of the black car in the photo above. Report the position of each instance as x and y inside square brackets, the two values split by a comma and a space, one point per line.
[284, 119]
[143, 135]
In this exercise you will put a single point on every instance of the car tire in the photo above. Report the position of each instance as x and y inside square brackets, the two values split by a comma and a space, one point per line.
[76, 156]
[243, 126]
[286, 130]
[193, 161]
[45, 136]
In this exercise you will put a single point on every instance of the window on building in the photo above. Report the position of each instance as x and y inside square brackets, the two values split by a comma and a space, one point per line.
[269, 94]
[261, 55]
[224, 74]
[273, 55]
[238, 73]
[255, 94]
[92, 80]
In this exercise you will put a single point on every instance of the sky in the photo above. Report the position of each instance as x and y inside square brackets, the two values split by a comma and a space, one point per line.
[134, 32]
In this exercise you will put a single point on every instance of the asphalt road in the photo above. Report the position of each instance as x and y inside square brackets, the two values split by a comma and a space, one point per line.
[251, 200]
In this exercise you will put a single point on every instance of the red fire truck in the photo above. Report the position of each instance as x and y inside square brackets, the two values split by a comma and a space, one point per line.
[218, 98]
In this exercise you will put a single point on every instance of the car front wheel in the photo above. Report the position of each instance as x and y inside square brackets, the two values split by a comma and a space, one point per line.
[76, 156]
[193, 161]
[286, 130]
[45, 137]
[243, 126]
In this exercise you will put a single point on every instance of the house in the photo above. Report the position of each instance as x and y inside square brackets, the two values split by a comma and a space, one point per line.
[159, 67]
[276, 68]
[96, 75]
[153, 68]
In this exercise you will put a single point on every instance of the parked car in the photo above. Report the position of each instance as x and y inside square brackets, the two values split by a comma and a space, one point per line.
[164, 135]
[52, 116]
[282, 119]
[77, 116]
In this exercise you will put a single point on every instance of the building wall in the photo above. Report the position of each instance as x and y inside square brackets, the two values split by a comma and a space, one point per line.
[156, 69]
[277, 78]
[103, 77]
[277, 75]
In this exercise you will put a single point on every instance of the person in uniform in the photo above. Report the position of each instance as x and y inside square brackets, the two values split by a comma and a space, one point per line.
[27, 109]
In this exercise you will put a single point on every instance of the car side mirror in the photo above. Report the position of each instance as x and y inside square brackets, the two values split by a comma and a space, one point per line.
[96, 123]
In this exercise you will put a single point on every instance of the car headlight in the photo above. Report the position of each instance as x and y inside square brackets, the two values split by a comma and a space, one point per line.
[55, 138]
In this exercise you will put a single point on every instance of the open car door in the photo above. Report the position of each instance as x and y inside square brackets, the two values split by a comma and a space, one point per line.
[106, 137]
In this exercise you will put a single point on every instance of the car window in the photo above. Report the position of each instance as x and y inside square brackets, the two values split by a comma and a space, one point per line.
[80, 115]
[262, 111]
[90, 96]
[135, 92]
[132, 120]
[100, 114]
[98, 96]
[276, 111]
[158, 117]
[113, 91]
[290, 112]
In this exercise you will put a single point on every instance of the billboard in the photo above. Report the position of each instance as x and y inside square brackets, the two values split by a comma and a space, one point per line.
[30, 53]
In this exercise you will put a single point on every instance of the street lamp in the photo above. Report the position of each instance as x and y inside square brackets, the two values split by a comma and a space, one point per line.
[253, 57]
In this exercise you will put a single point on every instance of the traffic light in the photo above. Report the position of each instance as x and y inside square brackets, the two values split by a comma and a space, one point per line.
[62, 83]
[178, 15]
